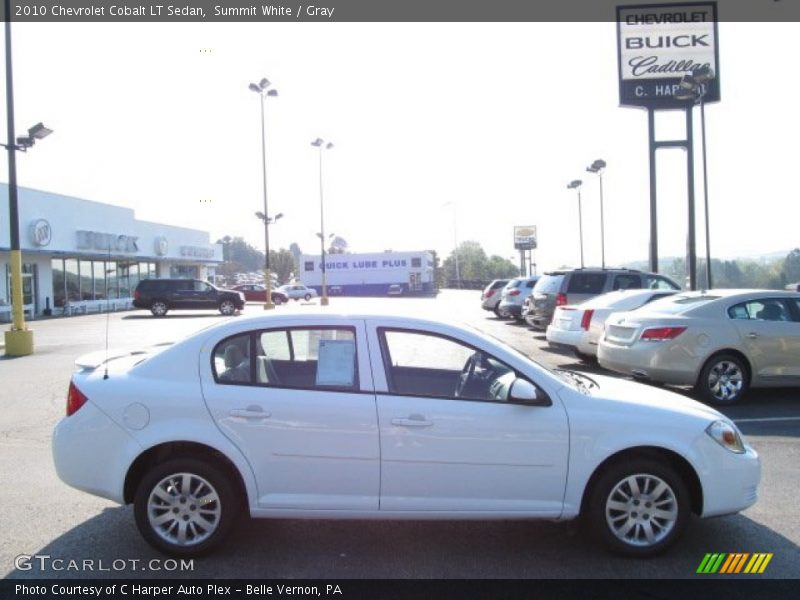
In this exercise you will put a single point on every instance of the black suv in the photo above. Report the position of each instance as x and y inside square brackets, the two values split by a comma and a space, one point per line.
[163, 295]
[573, 286]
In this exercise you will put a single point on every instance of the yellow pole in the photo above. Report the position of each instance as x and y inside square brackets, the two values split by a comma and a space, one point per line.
[19, 339]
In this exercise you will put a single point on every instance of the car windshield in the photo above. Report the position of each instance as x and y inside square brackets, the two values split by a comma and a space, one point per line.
[675, 305]
[548, 284]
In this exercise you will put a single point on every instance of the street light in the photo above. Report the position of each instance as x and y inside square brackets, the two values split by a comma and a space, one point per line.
[694, 87]
[576, 184]
[18, 339]
[267, 222]
[597, 167]
[320, 143]
[455, 241]
[261, 89]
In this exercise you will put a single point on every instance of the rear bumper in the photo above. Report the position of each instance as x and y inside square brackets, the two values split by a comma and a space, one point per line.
[656, 364]
[563, 339]
[512, 310]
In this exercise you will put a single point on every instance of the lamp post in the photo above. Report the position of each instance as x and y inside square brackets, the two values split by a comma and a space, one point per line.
[597, 167]
[576, 184]
[18, 339]
[261, 89]
[322, 145]
[693, 87]
[267, 222]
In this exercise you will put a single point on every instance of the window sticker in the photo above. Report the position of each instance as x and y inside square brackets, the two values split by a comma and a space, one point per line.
[336, 362]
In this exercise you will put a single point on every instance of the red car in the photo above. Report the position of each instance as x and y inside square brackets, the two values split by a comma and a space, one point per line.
[258, 293]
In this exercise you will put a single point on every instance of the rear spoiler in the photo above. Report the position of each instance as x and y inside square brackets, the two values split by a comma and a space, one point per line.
[93, 360]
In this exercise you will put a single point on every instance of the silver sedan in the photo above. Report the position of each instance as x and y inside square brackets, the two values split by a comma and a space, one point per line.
[720, 341]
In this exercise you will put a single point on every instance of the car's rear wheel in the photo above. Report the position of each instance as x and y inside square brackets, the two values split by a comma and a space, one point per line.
[159, 308]
[277, 300]
[639, 507]
[307, 297]
[496, 312]
[723, 380]
[185, 506]
[227, 307]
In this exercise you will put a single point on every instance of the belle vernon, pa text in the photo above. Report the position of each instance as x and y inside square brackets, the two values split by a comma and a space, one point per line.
[171, 10]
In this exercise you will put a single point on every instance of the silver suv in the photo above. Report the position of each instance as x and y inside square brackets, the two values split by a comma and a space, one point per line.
[574, 286]
[513, 296]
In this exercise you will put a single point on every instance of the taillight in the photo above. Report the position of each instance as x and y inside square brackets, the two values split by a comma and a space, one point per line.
[489, 294]
[586, 319]
[660, 334]
[513, 293]
[561, 299]
[75, 399]
[136, 294]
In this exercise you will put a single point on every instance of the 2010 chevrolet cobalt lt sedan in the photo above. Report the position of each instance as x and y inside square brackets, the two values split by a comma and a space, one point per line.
[367, 416]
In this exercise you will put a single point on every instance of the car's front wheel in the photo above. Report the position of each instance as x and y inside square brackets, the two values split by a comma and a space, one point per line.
[159, 308]
[227, 307]
[639, 507]
[185, 507]
[723, 380]
[307, 297]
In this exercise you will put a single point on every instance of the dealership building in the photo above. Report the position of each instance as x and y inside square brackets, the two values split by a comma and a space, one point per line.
[370, 274]
[81, 255]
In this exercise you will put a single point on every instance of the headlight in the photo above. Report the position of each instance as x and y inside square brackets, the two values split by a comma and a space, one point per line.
[727, 436]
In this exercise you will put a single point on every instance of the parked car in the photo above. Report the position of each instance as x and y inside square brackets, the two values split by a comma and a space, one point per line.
[163, 295]
[577, 328]
[722, 342]
[573, 286]
[395, 289]
[490, 297]
[325, 415]
[254, 292]
[296, 291]
[513, 296]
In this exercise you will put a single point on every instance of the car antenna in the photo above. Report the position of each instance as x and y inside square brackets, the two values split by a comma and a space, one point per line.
[108, 312]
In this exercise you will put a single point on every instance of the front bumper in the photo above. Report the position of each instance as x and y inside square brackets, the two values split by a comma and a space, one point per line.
[730, 481]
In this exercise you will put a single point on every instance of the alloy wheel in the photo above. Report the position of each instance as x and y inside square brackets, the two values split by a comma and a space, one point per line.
[184, 509]
[641, 510]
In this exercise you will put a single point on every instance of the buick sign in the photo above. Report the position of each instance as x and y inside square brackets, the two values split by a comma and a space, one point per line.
[41, 234]
[658, 44]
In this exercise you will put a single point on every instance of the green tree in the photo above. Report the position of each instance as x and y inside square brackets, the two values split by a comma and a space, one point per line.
[791, 266]
[475, 269]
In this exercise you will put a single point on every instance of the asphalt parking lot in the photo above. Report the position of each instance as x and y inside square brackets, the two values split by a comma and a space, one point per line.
[43, 516]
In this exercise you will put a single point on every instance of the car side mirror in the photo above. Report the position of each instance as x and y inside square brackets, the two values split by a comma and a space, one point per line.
[525, 392]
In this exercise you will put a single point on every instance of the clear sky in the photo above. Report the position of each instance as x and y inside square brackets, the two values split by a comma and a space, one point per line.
[494, 119]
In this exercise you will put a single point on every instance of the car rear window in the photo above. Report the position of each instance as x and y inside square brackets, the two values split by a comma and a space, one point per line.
[549, 284]
[498, 284]
[674, 305]
[514, 283]
[586, 283]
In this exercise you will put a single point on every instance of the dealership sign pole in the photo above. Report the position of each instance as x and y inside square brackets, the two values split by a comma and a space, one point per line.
[657, 44]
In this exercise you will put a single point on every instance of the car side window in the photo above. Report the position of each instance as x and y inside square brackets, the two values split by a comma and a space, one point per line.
[768, 309]
[627, 282]
[231, 360]
[201, 286]
[425, 364]
[308, 358]
[657, 282]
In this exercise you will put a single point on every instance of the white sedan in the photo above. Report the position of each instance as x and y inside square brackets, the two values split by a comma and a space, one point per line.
[578, 328]
[296, 291]
[324, 415]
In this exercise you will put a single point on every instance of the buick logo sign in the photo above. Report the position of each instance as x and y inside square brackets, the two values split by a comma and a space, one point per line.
[41, 234]
[162, 246]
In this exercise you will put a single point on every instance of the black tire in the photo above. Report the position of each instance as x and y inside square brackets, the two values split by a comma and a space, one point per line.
[307, 297]
[496, 312]
[159, 308]
[277, 300]
[723, 380]
[168, 477]
[612, 486]
[227, 307]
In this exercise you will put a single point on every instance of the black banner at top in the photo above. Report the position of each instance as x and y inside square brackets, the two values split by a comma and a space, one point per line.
[241, 11]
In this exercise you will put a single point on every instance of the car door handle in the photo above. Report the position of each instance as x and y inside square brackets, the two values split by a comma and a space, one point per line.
[251, 412]
[413, 421]
[752, 335]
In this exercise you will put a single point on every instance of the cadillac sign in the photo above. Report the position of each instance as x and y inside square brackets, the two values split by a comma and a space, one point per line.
[657, 44]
